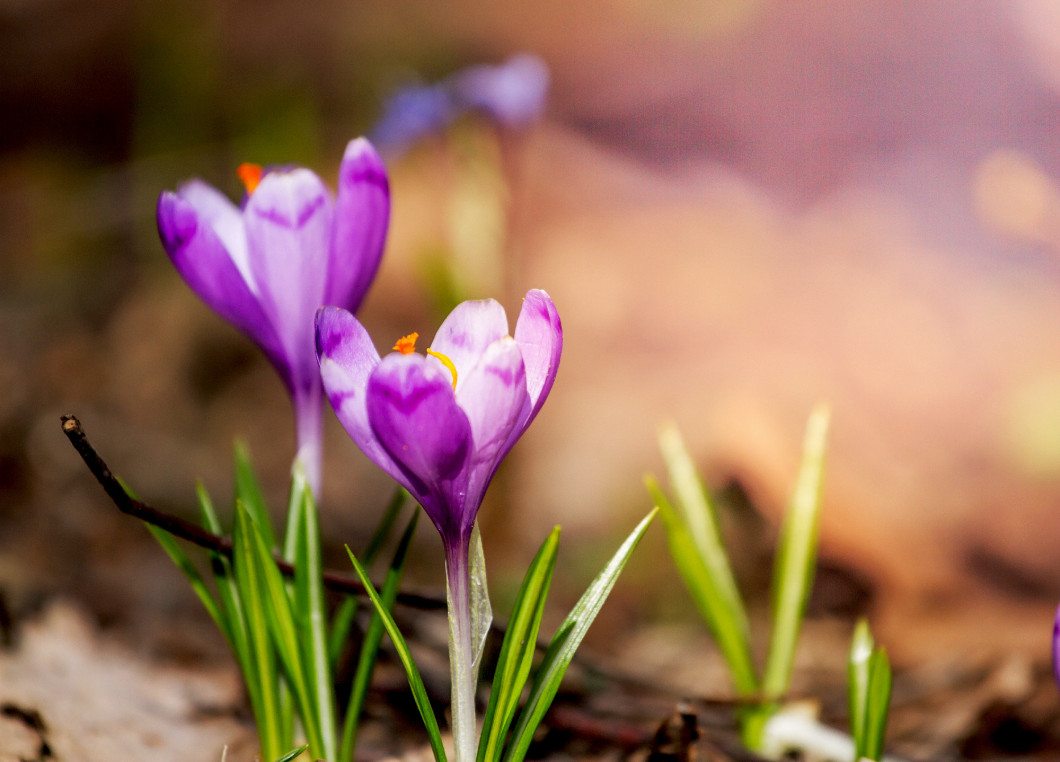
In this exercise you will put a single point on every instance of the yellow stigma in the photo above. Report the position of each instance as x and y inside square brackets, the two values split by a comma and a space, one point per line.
[446, 362]
[251, 175]
[406, 345]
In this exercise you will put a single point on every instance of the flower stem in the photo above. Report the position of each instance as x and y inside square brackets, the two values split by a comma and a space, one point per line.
[461, 657]
[309, 422]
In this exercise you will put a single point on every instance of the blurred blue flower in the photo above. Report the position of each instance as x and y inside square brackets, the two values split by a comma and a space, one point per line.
[511, 94]
[411, 114]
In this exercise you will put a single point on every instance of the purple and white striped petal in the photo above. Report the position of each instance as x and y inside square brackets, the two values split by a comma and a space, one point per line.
[493, 395]
[468, 330]
[206, 264]
[288, 222]
[414, 415]
[225, 218]
[539, 335]
[362, 213]
[347, 358]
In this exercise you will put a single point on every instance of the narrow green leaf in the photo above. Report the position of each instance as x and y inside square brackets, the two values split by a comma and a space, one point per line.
[280, 618]
[565, 642]
[252, 596]
[248, 490]
[861, 649]
[517, 650]
[796, 556]
[362, 677]
[312, 619]
[700, 520]
[292, 531]
[419, 693]
[339, 632]
[187, 568]
[481, 608]
[728, 626]
[228, 594]
[342, 619]
[293, 754]
[878, 703]
[206, 509]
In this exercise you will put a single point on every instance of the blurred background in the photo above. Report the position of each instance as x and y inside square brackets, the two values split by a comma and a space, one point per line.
[740, 208]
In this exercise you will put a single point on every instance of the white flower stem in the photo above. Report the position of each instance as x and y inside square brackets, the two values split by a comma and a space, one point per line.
[309, 424]
[461, 656]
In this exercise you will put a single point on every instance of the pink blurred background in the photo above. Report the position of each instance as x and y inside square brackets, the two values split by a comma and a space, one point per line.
[740, 209]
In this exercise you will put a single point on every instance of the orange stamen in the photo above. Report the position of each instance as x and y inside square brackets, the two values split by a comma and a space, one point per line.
[251, 175]
[446, 362]
[406, 345]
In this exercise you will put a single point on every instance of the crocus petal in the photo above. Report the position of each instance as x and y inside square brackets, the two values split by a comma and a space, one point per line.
[493, 395]
[414, 415]
[468, 330]
[362, 213]
[347, 358]
[225, 218]
[539, 335]
[204, 262]
[288, 223]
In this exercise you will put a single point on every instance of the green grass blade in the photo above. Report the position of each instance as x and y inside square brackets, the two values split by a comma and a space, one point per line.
[565, 642]
[228, 594]
[796, 556]
[280, 618]
[293, 754]
[262, 658]
[312, 618]
[728, 626]
[248, 490]
[339, 632]
[292, 532]
[700, 519]
[419, 693]
[342, 620]
[877, 704]
[209, 516]
[187, 568]
[517, 650]
[362, 677]
[861, 649]
[198, 584]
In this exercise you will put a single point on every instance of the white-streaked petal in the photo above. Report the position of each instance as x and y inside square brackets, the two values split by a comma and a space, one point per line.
[468, 330]
[362, 214]
[225, 218]
[288, 223]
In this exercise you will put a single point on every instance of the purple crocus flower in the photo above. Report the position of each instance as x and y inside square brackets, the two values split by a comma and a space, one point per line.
[440, 424]
[268, 266]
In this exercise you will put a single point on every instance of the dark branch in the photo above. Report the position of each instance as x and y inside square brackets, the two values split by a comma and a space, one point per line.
[335, 581]
[196, 535]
